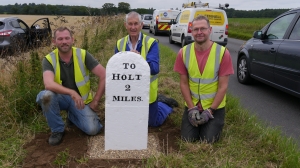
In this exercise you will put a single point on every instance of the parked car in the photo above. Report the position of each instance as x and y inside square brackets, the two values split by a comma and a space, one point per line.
[272, 56]
[16, 36]
[146, 18]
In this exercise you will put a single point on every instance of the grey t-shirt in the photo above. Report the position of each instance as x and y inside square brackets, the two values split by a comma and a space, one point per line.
[67, 70]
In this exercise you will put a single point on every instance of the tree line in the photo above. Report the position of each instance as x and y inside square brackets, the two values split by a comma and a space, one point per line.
[47, 9]
[112, 9]
[263, 13]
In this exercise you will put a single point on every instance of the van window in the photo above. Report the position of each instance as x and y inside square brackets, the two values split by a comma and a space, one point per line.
[147, 17]
[177, 19]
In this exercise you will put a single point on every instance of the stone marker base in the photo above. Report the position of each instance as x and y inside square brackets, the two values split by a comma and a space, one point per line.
[96, 149]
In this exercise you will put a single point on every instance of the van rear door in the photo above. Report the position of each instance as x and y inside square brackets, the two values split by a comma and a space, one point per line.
[164, 19]
[218, 22]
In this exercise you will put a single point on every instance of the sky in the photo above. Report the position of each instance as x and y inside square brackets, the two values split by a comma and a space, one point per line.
[167, 4]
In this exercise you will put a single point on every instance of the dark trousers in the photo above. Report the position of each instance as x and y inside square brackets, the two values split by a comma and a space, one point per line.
[209, 132]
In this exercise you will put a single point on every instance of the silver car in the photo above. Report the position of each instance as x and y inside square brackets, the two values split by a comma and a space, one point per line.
[146, 18]
[16, 36]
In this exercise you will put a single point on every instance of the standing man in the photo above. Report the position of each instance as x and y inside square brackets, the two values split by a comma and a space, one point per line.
[66, 73]
[159, 106]
[204, 68]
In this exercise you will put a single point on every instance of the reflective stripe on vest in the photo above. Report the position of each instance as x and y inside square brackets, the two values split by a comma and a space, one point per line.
[203, 87]
[147, 41]
[81, 73]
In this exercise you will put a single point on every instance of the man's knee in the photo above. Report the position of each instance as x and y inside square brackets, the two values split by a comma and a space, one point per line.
[189, 134]
[93, 129]
[45, 97]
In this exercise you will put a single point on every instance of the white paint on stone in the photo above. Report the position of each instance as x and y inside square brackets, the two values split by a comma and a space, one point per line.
[126, 102]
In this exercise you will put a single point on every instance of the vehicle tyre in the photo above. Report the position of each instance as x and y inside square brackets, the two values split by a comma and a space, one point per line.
[243, 73]
[170, 38]
[183, 42]
[155, 31]
[150, 30]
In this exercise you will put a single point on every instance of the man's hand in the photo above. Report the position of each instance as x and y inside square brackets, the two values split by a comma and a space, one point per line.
[78, 100]
[204, 117]
[193, 115]
[94, 105]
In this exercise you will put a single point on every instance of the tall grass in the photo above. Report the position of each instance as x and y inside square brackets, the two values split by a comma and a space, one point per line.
[245, 142]
[20, 116]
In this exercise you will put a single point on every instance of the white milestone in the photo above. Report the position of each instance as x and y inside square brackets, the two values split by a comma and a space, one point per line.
[126, 102]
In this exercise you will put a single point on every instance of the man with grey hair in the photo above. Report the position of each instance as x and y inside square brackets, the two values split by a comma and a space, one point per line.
[159, 106]
[204, 67]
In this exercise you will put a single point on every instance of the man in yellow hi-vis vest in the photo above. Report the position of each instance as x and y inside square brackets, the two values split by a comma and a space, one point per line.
[159, 105]
[67, 87]
[204, 68]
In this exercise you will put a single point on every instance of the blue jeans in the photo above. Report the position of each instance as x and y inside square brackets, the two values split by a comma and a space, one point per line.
[158, 113]
[52, 104]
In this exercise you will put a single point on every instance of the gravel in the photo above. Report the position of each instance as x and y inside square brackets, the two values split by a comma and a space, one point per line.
[96, 149]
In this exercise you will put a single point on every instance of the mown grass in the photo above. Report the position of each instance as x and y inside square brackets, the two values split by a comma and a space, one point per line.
[243, 28]
[245, 142]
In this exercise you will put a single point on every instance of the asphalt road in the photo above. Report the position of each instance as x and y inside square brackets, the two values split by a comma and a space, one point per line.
[273, 107]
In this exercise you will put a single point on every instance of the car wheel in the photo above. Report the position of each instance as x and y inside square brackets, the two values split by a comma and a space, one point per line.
[183, 42]
[155, 31]
[243, 73]
[170, 38]
[150, 30]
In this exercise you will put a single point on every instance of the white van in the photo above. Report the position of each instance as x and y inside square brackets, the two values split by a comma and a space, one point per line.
[161, 20]
[181, 31]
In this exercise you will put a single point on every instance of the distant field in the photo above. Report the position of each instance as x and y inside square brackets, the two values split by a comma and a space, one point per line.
[243, 28]
[249, 23]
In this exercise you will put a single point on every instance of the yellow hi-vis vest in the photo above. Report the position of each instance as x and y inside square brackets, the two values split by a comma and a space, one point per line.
[147, 42]
[81, 73]
[203, 87]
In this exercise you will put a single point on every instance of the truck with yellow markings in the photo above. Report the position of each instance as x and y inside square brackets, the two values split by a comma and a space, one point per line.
[161, 18]
[181, 27]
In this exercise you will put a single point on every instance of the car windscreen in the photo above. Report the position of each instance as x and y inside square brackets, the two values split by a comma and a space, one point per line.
[2, 24]
[147, 17]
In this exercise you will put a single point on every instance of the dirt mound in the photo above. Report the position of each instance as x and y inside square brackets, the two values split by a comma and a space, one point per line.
[75, 146]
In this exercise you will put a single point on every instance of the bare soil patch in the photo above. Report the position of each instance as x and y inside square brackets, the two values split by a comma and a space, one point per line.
[76, 144]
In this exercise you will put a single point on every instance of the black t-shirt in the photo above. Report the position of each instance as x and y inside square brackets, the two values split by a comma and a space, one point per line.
[67, 70]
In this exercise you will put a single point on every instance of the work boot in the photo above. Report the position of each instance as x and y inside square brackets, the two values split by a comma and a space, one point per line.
[169, 101]
[56, 138]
